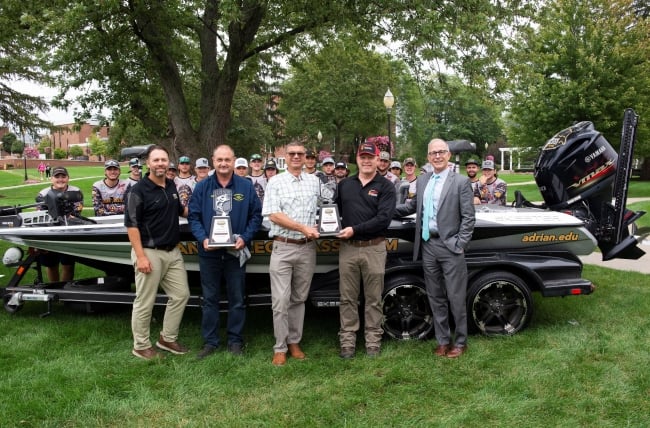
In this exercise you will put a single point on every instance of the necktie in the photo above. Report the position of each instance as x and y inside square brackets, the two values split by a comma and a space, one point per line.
[429, 208]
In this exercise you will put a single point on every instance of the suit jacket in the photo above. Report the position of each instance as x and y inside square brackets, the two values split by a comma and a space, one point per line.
[455, 214]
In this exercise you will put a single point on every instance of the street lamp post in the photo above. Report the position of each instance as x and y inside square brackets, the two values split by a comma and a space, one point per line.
[389, 100]
[25, 164]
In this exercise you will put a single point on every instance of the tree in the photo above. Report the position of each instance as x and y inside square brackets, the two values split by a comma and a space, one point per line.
[585, 61]
[176, 65]
[76, 151]
[97, 146]
[19, 47]
[462, 112]
[338, 91]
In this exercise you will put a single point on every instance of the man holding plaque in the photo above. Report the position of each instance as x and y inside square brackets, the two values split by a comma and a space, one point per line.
[224, 214]
[366, 202]
[290, 204]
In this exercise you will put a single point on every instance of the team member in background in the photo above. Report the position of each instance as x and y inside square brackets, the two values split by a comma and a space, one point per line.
[108, 194]
[185, 175]
[328, 170]
[410, 177]
[443, 228]
[172, 171]
[396, 169]
[341, 171]
[151, 220]
[218, 265]
[310, 164]
[290, 203]
[202, 169]
[241, 167]
[366, 202]
[471, 168]
[382, 169]
[135, 172]
[490, 189]
[270, 170]
[257, 175]
[51, 260]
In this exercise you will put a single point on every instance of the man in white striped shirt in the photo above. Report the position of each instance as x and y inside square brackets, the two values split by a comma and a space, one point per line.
[290, 203]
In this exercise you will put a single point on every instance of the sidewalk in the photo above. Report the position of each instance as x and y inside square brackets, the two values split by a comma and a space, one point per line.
[641, 265]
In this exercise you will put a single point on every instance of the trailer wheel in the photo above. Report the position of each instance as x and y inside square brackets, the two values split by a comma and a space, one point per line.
[12, 309]
[407, 314]
[498, 304]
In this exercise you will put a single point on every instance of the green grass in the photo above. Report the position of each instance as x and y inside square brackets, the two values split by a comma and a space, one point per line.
[582, 362]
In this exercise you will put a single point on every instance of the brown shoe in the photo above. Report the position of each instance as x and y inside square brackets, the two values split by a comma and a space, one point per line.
[173, 347]
[456, 351]
[147, 354]
[373, 351]
[441, 350]
[295, 351]
[279, 358]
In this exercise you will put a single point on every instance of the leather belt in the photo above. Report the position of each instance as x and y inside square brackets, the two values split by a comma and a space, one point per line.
[368, 243]
[292, 241]
[167, 248]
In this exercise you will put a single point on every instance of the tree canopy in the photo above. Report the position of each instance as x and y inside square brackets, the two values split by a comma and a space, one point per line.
[584, 61]
[175, 65]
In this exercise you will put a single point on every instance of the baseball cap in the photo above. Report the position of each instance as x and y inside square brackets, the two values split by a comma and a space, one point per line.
[202, 163]
[471, 162]
[111, 164]
[410, 161]
[172, 165]
[270, 164]
[134, 162]
[184, 159]
[310, 153]
[395, 164]
[256, 157]
[368, 149]
[341, 165]
[488, 164]
[241, 162]
[327, 160]
[59, 170]
[384, 156]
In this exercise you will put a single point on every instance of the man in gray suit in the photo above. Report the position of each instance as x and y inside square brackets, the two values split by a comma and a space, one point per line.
[445, 220]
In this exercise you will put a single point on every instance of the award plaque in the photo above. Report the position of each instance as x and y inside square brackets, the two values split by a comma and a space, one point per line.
[329, 221]
[221, 229]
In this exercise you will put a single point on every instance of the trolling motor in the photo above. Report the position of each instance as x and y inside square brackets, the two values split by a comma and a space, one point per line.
[579, 172]
[57, 209]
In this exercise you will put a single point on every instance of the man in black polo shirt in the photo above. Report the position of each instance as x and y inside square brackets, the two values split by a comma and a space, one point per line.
[151, 220]
[366, 202]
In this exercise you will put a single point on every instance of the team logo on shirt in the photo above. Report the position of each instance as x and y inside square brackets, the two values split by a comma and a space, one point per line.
[238, 197]
[373, 192]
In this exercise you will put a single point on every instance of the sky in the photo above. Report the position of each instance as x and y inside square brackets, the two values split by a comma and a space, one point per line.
[55, 116]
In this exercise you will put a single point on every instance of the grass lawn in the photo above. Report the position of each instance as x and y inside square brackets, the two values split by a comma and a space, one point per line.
[582, 362]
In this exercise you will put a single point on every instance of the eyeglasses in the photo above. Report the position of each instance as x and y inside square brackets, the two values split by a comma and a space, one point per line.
[439, 153]
[293, 154]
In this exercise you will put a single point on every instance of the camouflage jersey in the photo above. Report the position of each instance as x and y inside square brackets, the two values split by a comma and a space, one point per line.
[109, 200]
[493, 193]
[259, 183]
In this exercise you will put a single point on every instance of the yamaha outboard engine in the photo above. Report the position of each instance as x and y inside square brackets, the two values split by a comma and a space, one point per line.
[578, 171]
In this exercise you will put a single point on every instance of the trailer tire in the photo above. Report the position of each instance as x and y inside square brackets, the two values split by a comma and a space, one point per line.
[407, 314]
[498, 304]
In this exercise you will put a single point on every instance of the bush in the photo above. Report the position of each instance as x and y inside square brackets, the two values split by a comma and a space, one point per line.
[60, 154]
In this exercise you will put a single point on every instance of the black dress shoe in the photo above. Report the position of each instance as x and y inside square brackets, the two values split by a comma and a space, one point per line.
[206, 351]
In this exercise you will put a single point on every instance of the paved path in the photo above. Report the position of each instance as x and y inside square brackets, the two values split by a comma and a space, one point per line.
[641, 265]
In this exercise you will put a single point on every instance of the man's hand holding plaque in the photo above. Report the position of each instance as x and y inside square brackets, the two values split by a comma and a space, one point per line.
[329, 222]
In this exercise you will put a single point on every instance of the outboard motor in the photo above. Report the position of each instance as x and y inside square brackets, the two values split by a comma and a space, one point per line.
[578, 171]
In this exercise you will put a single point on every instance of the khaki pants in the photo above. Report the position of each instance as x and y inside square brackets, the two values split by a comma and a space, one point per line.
[357, 264]
[168, 272]
[291, 269]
